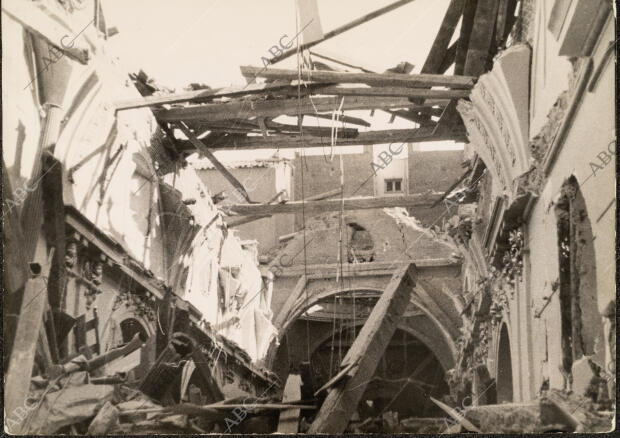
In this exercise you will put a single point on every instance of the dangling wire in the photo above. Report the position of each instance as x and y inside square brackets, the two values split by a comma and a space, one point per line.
[303, 204]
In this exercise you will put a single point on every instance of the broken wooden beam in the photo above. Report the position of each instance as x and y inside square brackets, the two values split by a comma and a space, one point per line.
[378, 79]
[202, 95]
[392, 92]
[370, 344]
[313, 207]
[340, 29]
[289, 419]
[417, 135]
[273, 108]
[26, 338]
[439, 49]
[467, 24]
[219, 166]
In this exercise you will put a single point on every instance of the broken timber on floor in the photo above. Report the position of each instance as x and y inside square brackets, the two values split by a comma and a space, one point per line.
[343, 398]
[312, 207]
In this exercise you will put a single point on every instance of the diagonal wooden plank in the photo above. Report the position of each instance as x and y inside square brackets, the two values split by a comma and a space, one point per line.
[24, 345]
[467, 24]
[366, 352]
[219, 166]
[439, 48]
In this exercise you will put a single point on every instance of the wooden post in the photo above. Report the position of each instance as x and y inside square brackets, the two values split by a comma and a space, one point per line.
[343, 398]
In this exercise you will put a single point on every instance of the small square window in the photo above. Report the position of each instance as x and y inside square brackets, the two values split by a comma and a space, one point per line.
[393, 185]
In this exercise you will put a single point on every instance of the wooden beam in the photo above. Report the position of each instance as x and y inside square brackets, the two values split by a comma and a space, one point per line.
[421, 134]
[449, 59]
[467, 25]
[439, 48]
[29, 326]
[200, 360]
[481, 37]
[505, 20]
[370, 344]
[235, 222]
[341, 29]
[337, 61]
[378, 79]
[425, 267]
[273, 108]
[54, 226]
[343, 118]
[392, 92]
[289, 419]
[219, 166]
[202, 95]
[314, 207]
[245, 126]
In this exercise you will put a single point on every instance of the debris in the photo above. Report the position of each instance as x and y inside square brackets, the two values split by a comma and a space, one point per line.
[105, 420]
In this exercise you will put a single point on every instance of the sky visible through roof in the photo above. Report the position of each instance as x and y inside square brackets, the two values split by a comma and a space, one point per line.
[206, 41]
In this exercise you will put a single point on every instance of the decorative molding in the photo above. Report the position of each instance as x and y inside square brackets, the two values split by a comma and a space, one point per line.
[497, 118]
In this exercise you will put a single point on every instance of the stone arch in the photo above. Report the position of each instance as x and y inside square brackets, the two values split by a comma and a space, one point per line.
[446, 362]
[581, 324]
[130, 327]
[407, 374]
[445, 351]
[504, 381]
[123, 323]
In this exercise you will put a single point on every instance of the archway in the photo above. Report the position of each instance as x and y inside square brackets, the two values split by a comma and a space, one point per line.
[581, 324]
[129, 328]
[407, 375]
[504, 367]
[439, 341]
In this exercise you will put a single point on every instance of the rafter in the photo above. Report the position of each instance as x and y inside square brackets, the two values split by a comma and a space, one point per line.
[363, 138]
[378, 79]
[278, 107]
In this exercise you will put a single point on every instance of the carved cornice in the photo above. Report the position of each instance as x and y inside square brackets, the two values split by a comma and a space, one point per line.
[497, 118]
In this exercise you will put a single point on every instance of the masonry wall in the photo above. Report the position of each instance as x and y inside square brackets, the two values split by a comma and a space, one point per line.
[433, 171]
[262, 184]
[587, 140]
